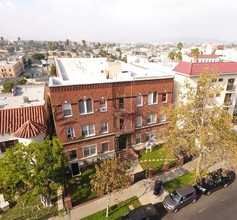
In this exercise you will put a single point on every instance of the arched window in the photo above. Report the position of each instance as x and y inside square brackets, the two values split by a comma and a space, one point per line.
[152, 98]
[85, 107]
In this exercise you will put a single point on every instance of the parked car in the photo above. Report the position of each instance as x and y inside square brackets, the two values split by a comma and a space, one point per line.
[216, 180]
[145, 212]
[179, 198]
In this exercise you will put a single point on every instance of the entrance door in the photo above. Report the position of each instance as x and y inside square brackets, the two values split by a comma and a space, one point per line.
[75, 169]
[122, 142]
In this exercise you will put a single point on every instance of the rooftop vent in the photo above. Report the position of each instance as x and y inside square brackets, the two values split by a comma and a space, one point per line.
[25, 99]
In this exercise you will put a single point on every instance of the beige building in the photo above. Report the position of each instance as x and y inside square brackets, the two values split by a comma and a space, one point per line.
[10, 69]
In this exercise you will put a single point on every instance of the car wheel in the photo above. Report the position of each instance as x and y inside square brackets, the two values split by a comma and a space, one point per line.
[194, 200]
[225, 185]
[176, 210]
[208, 192]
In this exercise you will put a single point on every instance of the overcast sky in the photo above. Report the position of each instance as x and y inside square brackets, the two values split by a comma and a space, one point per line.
[118, 20]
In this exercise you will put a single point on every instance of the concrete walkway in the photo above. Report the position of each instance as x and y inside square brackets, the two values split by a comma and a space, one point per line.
[142, 189]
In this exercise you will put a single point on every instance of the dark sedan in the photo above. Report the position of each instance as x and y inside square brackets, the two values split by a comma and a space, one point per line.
[215, 180]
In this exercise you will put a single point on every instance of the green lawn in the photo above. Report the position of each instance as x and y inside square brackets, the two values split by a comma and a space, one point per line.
[115, 211]
[77, 189]
[29, 206]
[157, 153]
[180, 181]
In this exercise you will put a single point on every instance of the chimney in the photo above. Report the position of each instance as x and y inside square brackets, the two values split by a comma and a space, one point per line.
[25, 99]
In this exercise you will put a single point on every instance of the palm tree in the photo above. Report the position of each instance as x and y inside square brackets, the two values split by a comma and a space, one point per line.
[195, 53]
[180, 46]
[178, 56]
[171, 55]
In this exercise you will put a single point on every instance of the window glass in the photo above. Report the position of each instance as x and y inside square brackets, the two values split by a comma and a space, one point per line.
[73, 154]
[89, 105]
[105, 147]
[139, 100]
[81, 107]
[67, 111]
[139, 121]
[104, 127]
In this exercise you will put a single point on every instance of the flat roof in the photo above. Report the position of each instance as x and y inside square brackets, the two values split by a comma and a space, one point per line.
[8, 63]
[25, 96]
[80, 71]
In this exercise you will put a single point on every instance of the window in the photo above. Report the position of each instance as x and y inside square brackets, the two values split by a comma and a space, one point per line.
[220, 80]
[103, 105]
[163, 117]
[105, 147]
[164, 97]
[152, 98]
[104, 127]
[85, 107]
[70, 133]
[139, 100]
[89, 151]
[138, 138]
[88, 130]
[139, 121]
[67, 110]
[150, 136]
[151, 118]
[73, 154]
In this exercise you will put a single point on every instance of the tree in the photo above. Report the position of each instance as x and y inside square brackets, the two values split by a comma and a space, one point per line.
[180, 46]
[178, 56]
[38, 56]
[195, 52]
[110, 175]
[53, 70]
[200, 127]
[171, 55]
[8, 85]
[37, 166]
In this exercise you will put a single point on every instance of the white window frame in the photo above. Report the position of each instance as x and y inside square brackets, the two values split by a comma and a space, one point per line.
[152, 118]
[139, 121]
[85, 107]
[138, 137]
[151, 98]
[88, 129]
[65, 108]
[162, 117]
[105, 123]
[166, 97]
[107, 142]
[103, 105]
[139, 101]
[70, 132]
[89, 148]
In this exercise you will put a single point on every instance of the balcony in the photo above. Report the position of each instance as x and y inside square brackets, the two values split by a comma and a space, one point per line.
[119, 132]
[121, 111]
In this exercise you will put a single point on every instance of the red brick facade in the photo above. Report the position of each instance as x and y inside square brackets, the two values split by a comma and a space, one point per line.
[116, 93]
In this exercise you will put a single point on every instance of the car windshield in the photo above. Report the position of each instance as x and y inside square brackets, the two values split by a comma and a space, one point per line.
[175, 196]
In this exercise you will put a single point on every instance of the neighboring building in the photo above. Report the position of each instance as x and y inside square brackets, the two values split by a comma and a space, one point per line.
[101, 107]
[227, 78]
[10, 69]
[202, 58]
[23, 115]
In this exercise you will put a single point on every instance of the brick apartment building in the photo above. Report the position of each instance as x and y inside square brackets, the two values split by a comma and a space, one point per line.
[101, 107]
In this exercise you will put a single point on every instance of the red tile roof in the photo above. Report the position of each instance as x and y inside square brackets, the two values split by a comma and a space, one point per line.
[30, 129]
[193, 69]
[12, 119]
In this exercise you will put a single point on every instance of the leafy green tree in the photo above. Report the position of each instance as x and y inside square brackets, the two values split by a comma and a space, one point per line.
[38, 56]
[8, 85]
[171, 55]
[39, 166]
[110, 175]
[53, 70]
[200, 127]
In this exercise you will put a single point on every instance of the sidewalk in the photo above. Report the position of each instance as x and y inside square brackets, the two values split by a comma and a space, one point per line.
[142, 189]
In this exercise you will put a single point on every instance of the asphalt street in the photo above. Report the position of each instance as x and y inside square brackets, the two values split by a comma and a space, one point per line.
[220, 205]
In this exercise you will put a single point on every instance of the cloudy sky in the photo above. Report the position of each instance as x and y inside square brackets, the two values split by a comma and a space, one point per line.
[118, 20]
